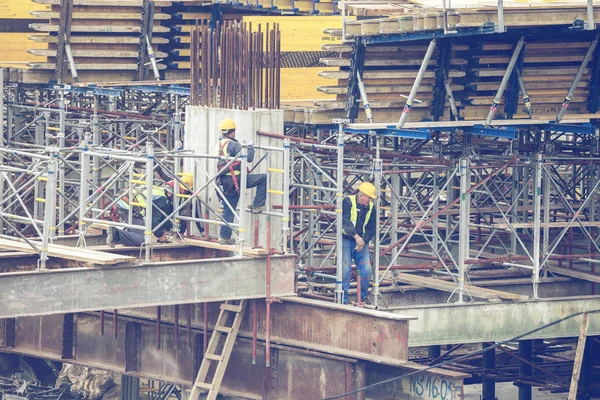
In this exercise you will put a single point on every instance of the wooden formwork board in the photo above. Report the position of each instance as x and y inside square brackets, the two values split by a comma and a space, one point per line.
[69, 253]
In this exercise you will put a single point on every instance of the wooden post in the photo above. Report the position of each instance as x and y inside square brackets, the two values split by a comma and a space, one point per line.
[579, 356]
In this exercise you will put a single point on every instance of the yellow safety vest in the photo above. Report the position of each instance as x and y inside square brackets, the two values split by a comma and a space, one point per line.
[354, 212]
[140, 196]
[221, 150]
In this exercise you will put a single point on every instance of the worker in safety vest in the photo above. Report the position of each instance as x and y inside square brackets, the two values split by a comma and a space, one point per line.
[230, 178]
[358, 226]
[162, 201]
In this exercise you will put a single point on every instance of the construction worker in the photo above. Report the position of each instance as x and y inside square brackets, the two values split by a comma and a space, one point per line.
[230, 181]
[162, 201]
[358, 226]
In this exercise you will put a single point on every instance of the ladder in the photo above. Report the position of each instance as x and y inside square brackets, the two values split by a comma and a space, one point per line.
[222, 340]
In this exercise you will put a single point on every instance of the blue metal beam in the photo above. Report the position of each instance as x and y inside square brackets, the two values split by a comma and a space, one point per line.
[481, 130]
[393, 131]
[487, 28]
[582, 129]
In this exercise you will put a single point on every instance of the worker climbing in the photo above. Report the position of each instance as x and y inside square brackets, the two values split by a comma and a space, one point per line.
[228, 146]
[358, 226]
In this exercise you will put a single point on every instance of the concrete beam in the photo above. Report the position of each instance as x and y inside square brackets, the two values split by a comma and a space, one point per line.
[164, 283]
[484, 322]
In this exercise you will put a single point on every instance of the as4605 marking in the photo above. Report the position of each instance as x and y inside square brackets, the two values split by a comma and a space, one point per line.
[434, 387]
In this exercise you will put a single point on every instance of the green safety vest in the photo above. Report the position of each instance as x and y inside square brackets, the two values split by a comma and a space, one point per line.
[354, 212]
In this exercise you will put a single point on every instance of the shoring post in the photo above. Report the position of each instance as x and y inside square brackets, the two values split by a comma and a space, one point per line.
[417, 83]
[395, 205]
[378, 166]
[546, 185]
[517, 172]
[582, 67]
[84, 187]
[176, 192]
[96, 142]
[463, 227]
[243, 184]
[591, 24]
[61, 167]
[177, 144]
[50, 206]
[537, 197]
[3, 140]
[505, 79]
[339, 292]
[501, 28]
[526, 100]
[149, 200]
[286, 197]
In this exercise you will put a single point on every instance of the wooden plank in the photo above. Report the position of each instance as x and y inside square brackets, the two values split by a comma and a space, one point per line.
[450, 287]
[94, 53]
[112, 3]
[98, 39]
[213, 245]
[104, 28]
[585, 321]
[91, 66]
[69, 253]
[574, 273]
[98, 15]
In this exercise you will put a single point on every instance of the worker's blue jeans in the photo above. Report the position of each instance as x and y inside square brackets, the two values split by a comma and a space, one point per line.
[259, 181]
[363, 267]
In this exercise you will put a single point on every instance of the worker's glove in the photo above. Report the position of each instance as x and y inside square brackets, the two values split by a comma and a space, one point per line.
[250, 143]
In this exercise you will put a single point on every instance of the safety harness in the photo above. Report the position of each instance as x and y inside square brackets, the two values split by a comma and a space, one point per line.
[234, 167]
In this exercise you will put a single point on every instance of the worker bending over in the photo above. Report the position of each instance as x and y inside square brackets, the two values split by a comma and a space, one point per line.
[230, 178]
[162, 202]
[358, 227]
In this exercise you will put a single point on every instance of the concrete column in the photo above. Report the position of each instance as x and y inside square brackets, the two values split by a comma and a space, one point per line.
[488, 384]
[591, 357]
[525, 351]
[130, 387]
[434, 351]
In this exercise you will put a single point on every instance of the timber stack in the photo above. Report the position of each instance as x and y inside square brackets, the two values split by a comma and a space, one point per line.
[471, 54]
[108, 39]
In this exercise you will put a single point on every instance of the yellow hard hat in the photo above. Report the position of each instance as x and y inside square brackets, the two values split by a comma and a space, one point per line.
[369, 189]
[188, 180]
[227, 125]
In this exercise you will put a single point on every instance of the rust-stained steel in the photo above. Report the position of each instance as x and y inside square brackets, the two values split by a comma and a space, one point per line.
[176, 327]
[234, 67]
[115, 324]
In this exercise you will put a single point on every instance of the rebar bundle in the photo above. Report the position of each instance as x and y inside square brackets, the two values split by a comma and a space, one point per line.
[234, 67]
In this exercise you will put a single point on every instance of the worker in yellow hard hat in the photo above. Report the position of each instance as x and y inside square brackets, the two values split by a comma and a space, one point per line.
[358, 226]
[228, 146]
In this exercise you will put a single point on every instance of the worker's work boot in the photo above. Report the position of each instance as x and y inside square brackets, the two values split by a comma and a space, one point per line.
[257, 209]
[110, 237]
[226, 242]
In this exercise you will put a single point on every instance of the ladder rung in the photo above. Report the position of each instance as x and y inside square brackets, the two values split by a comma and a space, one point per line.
[213, 357]
[203, 385]
[231, 307]
[220, 328]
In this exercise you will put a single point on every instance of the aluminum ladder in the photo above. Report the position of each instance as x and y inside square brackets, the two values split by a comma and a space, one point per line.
[222, 339]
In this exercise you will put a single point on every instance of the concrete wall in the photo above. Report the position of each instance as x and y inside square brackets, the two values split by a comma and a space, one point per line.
[202, 136]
